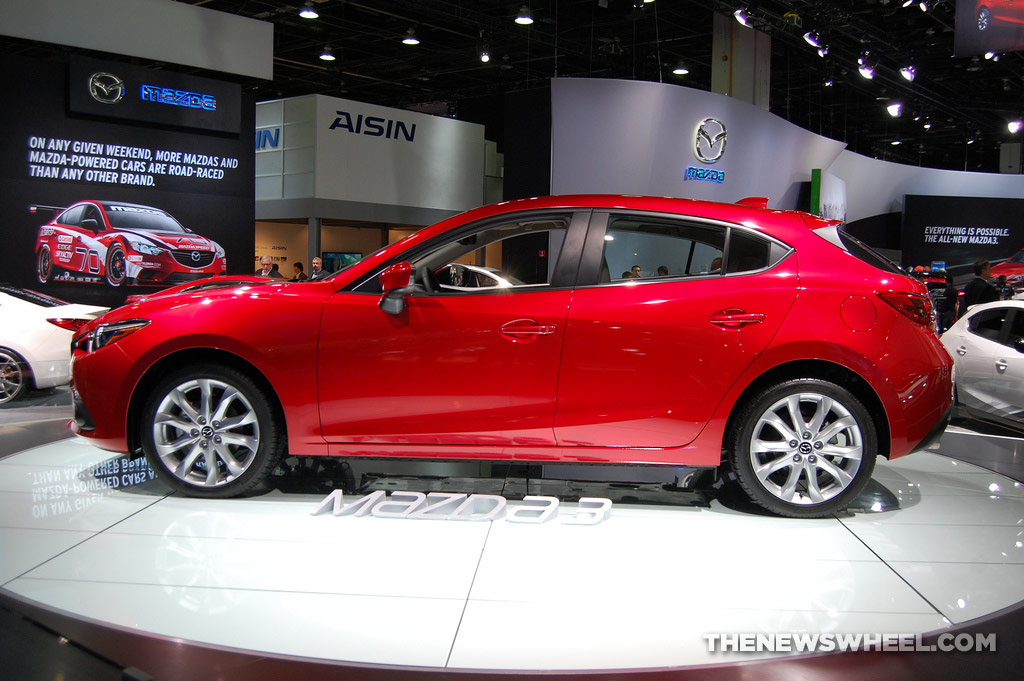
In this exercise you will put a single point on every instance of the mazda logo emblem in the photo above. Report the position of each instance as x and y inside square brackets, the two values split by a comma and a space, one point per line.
[106, 88]
[196, 255]
[710, 142]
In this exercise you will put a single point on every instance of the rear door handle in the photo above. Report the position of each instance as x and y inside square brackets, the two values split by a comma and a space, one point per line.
[734, 318]
[1001, 365]
[526, 329]
[961, 351]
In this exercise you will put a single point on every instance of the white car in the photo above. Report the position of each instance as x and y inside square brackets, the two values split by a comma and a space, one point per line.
[35, 339]
[987, 346]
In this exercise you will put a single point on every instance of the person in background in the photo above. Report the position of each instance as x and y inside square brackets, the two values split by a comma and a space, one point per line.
[300, 275]
[317, 271]
[716, 266]
[947, 311]
[662, 271]
[635, 271]
[267, 268]
[979, 290]
[1005, 290]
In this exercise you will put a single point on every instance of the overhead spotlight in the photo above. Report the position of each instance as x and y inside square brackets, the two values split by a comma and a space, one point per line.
[866, 65]
[680, 70]
[896, 143]
[822, 51]
[908, 3]
[742, 15]
[829, 82]
[327, 54]
[923, 6]
[307, 11]
[895, 109]
[410, 37]
[1014, 126]
[485, 55]
[927, 125]
[524, 18]
[813, 38]
[970, 140]
[647, 2]
[909, 72]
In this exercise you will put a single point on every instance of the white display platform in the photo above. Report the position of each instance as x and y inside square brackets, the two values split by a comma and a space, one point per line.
[639, 590]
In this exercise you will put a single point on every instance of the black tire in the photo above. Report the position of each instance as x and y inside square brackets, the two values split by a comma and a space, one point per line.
[984, 19]
[774, 458]
[117, 267]
[14, 376]
[44, 265]
[191, 451]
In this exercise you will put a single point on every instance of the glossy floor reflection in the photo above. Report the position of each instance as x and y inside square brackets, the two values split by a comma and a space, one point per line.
[97, 537]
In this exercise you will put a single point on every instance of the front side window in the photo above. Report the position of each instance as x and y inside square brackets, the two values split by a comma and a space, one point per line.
[72, 216]
[508, 256]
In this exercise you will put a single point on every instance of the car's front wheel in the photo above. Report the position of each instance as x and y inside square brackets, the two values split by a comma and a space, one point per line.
[984, 19]
[804, 448]
[117, 266]
[13, 376]
[211, 431]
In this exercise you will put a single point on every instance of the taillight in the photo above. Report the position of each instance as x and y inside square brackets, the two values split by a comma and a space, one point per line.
[69, 323]
[914, 306]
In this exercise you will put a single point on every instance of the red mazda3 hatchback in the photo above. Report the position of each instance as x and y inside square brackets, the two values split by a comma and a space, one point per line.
[632, 330]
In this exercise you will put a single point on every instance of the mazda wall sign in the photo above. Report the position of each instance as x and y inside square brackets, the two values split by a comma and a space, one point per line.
[106, 88]
[710, 141]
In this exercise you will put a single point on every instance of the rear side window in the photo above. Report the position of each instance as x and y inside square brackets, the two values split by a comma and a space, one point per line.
[989, 323]
[641, 248]
[858, 249]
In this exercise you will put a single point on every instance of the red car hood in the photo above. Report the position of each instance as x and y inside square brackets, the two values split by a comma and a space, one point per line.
[1010, 269]
[188, 242]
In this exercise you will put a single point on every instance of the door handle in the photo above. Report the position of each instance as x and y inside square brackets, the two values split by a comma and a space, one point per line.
[1001, 365]
[734, 318]
[961, 351]
[526, 329]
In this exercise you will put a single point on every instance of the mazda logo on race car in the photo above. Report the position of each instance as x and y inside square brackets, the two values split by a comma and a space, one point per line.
[196, 255]
[106, 88]
[710, 142]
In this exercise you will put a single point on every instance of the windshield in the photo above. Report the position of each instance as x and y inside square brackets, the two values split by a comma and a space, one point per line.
[142, 218]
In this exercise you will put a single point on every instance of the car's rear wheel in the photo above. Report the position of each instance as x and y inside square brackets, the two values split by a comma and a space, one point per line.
[13, 375]
[804, 448]
[211, 431]
[44, 265]
[117, 266]
[984, 19]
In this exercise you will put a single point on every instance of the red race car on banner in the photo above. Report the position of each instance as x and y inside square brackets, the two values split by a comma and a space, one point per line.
[124, 243]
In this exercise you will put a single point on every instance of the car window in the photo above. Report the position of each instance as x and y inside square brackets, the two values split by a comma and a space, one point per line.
[91, 212]
[142, 218]
[642, 248]
[72, 216]
[501, 257]
[1015, 337]
[989, 323]
[748, 252]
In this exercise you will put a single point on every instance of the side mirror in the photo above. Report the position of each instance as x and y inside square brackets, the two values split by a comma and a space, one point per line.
[396, 282]
[90, 223]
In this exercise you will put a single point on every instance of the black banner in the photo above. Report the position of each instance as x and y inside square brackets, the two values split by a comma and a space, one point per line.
[116, 90]
[152, 205]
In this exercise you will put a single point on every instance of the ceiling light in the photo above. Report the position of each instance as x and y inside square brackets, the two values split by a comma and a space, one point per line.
[908, 3]
[813, 38]
[1014, 126]
[829, 83]
[927, 125]
[307, 11]
[742, 15]
[822, 51]
[895, 109]
[970, 140]
[909, 72]
[866, 66]
[485, 55]
[410, 37]
[923, 6]
[524, 18]
[327, 54]
[896, 143]
[680, 70]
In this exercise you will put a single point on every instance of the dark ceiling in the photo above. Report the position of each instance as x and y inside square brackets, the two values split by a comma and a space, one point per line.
[962, 98]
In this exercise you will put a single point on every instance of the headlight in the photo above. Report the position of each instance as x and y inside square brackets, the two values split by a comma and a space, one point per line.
[105, 334]
[220, 251]
[142, 247]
